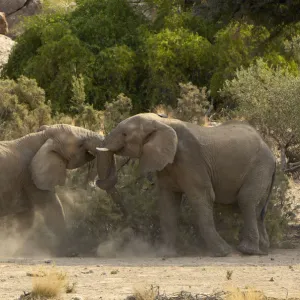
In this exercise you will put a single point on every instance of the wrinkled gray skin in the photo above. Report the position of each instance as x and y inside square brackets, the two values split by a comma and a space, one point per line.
[224, 164]
[33, 165]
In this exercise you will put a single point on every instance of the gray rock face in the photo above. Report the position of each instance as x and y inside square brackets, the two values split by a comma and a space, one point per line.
[3, 24]
[15, 9]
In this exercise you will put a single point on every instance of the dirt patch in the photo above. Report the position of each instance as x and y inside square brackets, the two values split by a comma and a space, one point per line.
[277, 275]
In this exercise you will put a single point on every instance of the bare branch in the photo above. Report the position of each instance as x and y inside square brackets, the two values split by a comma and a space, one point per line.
[294, 164]
[289, 141]
[293, 169]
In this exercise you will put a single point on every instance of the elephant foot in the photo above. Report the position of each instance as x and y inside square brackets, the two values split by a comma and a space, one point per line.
[66, 253]
[221, 251]
[264, 248]
[249, 248]
[65, 250]
[166, 251]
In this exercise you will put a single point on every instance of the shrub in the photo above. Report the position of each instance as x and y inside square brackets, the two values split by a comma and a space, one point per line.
[269, 99]
[23, 107]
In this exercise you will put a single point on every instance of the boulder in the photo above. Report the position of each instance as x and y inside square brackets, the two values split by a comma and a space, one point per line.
[3, 24]
[15, 9]
[6, 45]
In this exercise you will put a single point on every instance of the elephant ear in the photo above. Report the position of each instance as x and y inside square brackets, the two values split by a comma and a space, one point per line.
[159, 149]
[48, 168]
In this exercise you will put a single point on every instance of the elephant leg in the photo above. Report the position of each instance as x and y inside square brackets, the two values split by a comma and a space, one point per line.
[202, 202]
[54, 216]
[264, 242]
[250, 233]
[169, 205]
[252, 198]
[24, 221]
[52, 211]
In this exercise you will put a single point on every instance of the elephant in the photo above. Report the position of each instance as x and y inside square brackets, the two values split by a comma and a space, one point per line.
[227, 164]
[33, 165]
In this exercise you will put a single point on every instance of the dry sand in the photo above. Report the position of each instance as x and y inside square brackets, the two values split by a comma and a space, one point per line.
[277, 274]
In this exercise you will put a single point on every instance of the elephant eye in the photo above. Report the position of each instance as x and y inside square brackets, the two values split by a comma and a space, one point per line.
[124, 134]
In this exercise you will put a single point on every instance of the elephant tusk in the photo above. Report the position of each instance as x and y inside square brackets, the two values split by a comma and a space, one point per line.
[102, 149]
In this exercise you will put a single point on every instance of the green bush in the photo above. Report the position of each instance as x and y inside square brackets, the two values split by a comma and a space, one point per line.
[23, 107]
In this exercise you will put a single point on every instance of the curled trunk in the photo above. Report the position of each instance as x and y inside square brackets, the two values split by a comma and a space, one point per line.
[107, 176]
[106, 167]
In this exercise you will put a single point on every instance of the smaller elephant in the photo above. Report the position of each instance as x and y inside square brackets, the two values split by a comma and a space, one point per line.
[225, 164]
[33, 165]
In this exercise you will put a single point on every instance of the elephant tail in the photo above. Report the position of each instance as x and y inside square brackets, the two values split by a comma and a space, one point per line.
[264, 210]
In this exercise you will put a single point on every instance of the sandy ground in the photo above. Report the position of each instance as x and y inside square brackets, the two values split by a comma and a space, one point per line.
[277, 274]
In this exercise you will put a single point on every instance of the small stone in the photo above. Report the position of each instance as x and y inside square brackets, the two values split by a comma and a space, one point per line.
[271, 279]
[77, 298]
[88, 272]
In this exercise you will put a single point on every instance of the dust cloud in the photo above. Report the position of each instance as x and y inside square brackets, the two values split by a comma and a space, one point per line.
[39, 241]
[125, 244]
[16, 244]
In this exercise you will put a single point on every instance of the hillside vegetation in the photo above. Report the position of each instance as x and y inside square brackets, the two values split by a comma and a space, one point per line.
[97, 62]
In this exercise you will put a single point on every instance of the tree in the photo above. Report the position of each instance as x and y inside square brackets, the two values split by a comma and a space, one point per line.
[270, 99]
[174, 57]
[23, 108]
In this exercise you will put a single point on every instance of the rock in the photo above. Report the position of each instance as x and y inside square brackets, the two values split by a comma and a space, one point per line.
[3, 24]
[16, 9]
[6, 45]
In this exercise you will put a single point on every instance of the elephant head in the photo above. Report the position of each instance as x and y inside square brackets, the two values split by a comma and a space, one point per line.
[145, 136]
[64, 147]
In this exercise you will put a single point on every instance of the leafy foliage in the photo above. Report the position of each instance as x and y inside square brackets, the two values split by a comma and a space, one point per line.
[96, 62]
[268, 98]
[173, 57]
[22, 107]
[192, 104]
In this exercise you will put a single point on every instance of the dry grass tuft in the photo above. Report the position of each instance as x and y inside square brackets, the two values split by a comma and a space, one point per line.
[49, 286]
[237, 294]
[154, 294]
[145, 294]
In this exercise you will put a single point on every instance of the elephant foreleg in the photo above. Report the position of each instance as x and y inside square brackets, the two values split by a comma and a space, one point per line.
[169, 205]
[52, 211]
[202, 202]
[54, 216]
[24, 221]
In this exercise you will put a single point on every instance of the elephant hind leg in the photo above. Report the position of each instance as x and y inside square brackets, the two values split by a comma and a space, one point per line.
[252, 197]
[264, 242]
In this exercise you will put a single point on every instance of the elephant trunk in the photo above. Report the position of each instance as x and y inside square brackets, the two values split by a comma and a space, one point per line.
[106, 169]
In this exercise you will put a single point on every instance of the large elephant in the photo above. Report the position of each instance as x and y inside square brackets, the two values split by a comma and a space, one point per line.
[224, 164]
[33, 165]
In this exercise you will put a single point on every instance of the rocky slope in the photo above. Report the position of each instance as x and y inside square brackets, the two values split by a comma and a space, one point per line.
[15, 9]
[6, 45]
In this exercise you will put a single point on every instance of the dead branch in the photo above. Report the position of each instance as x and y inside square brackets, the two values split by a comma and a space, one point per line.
[294, 167]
